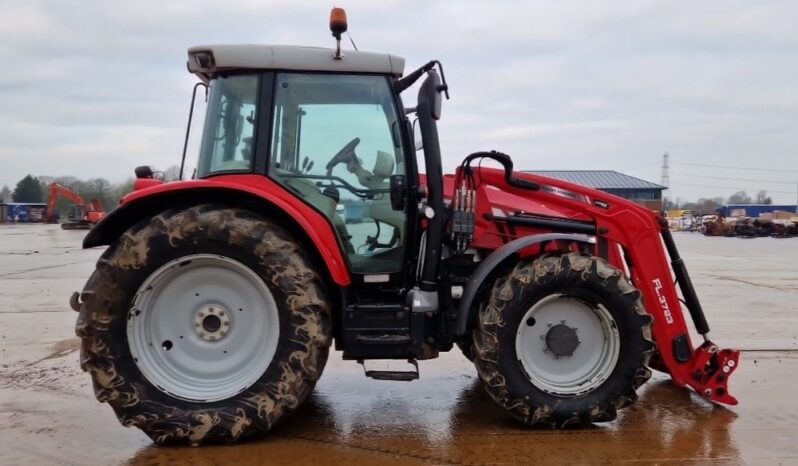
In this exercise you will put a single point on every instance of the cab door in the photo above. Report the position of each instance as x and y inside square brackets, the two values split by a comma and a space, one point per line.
[316, 116]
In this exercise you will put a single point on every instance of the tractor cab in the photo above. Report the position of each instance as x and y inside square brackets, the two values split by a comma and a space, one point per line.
[306, 114]
[278, 110]
[74, 212]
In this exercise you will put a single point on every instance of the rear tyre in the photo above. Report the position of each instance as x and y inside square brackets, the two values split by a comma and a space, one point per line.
[204, 324]
[563, 340]
[466, 346]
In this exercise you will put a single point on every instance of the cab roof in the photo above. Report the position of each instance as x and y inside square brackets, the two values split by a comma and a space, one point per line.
[207, 61]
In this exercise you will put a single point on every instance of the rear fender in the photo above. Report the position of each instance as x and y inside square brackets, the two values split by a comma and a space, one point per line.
[466, 311]
[271, 201]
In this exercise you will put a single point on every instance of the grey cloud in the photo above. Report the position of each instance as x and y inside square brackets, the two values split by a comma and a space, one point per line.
[94, 88]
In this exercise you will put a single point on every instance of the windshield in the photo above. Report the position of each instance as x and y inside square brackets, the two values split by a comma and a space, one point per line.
[229, 125]
[315, 115]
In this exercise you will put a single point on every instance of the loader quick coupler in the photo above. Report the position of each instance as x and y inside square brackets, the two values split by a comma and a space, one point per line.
[711, 371]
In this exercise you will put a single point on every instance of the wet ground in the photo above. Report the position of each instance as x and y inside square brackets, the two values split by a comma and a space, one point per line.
[749, 287]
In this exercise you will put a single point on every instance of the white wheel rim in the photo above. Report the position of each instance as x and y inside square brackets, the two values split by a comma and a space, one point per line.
[591, 362]
[203, 328]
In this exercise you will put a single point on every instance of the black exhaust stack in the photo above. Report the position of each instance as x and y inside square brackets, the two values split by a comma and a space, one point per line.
[428, 111]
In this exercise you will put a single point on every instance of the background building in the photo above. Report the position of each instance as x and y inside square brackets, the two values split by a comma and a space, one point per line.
[22, 212]
[643, 192]
[754, 210]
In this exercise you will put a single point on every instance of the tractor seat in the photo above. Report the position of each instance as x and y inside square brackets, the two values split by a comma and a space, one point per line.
[383, 166]
[380, 207]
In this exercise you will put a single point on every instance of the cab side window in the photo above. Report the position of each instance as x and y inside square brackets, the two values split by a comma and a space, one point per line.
[229, 125]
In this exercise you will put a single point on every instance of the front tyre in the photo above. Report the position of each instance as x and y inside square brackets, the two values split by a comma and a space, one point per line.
[564, 339]
[204, 324]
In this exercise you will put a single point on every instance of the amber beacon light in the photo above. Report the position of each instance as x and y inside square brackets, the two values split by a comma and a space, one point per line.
[337, 27]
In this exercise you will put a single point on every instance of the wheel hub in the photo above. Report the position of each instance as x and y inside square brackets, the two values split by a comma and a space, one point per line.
[203, 327]
[548, 339]
[562, 340]
[212, 322]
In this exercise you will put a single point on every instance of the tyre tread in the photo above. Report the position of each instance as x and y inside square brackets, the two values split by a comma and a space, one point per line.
[256, 409]
[508, 289]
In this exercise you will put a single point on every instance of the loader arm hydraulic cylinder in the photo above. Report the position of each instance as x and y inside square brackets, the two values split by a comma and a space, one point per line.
[685, 284]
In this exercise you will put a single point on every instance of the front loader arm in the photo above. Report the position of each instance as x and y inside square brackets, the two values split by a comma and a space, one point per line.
[635, 239]
[705, 368]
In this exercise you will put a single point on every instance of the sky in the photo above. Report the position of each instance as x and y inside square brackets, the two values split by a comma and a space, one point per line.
[94, 88]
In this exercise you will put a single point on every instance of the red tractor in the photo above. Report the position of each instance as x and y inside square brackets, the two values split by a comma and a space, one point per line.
[211, 314]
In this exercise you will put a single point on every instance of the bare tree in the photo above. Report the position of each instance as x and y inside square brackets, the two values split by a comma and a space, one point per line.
[172, 173]
[740, 197]
[708, 206]
[5, 194]
[763, 198]
[120, 190]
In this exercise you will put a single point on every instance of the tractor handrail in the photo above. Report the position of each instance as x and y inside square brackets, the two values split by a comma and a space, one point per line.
[358, 191]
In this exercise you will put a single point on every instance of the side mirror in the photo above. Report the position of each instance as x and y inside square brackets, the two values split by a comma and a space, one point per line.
[398, 189]
[430, 92]
[143, 171]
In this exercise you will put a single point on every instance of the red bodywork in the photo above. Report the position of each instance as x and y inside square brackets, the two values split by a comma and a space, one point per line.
[314, 224]
[629, 229]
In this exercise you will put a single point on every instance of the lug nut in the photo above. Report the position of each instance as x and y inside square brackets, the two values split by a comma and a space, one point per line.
[730, 363]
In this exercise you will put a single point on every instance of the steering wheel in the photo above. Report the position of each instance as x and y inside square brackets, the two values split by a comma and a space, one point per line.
[344, 155]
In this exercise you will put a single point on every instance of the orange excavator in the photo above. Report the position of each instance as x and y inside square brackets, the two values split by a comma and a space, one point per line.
[80, 216]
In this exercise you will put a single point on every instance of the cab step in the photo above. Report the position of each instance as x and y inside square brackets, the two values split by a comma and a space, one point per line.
[400, 376]
[375, 331]
[384, 339]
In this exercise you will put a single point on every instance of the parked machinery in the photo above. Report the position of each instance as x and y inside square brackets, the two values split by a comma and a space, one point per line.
[80, 216]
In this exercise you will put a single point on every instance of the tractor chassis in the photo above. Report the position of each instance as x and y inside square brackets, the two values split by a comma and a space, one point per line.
[382, 329]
